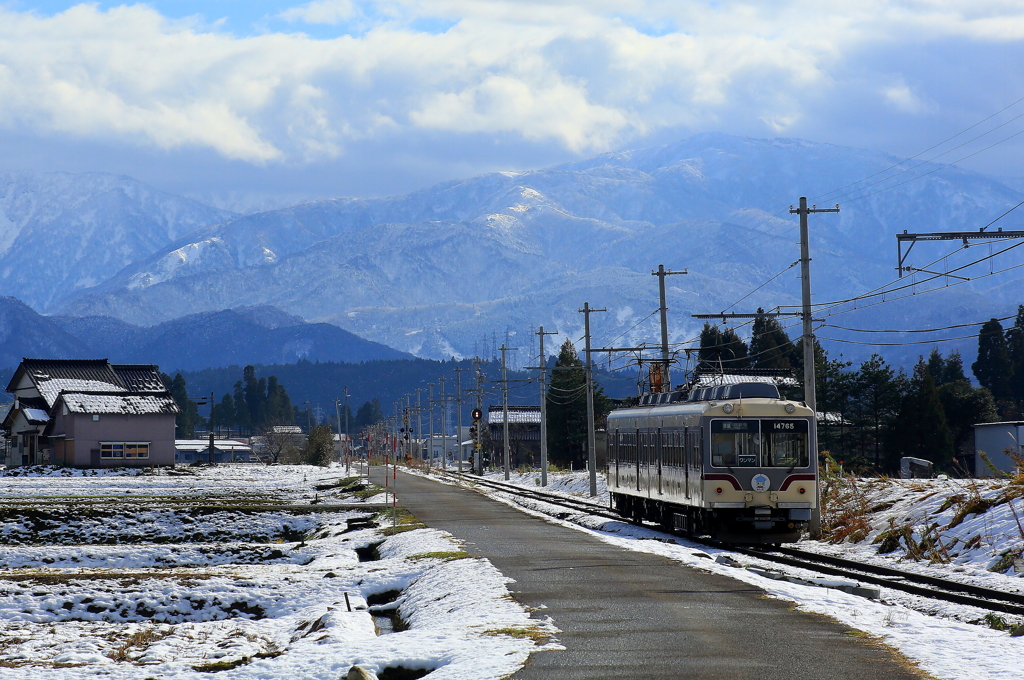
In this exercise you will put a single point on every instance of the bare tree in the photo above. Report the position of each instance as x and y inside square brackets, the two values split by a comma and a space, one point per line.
[278, 444]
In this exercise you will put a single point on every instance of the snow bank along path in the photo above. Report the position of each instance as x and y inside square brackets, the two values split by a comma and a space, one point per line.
[177, 575]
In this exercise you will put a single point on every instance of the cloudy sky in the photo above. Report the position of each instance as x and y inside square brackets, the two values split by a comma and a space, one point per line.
[344, 97]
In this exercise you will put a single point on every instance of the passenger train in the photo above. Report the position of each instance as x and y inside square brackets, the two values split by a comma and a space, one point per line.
[734, 461]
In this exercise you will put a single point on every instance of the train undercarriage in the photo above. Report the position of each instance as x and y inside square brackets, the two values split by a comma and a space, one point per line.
[758, 525]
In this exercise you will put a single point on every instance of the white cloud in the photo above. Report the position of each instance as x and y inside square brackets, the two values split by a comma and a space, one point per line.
[585, 76]
[321, 12]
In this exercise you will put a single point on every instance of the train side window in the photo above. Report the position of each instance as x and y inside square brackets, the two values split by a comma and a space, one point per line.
[735, 443]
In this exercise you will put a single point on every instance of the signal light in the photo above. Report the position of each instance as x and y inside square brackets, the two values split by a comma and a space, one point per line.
[802, 490]
[718, 490]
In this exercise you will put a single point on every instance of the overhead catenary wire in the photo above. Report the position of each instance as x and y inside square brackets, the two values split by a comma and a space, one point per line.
[921, 153]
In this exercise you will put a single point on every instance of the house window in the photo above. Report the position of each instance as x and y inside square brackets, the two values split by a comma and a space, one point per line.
[130, 450]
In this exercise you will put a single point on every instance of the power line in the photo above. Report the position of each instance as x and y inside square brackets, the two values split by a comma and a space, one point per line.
[886, 179]
[919, 330]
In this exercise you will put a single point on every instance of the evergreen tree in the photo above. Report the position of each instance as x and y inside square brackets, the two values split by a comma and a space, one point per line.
[770, 346]
[567, 408]
[964, 406]
[242, 419]
[877, 393]
[185, 422]
[834, 388]
[922, 430]
[993, 368]
[721, 349]
[319, 449]
[277, 408]
[224, 412]
[1015, 348]
[369, 414]
[946, 371]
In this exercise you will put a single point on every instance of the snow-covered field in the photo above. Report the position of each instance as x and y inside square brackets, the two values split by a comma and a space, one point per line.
[947, 641]
[243, 571]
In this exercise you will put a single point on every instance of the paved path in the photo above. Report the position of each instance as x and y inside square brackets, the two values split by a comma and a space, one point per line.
[626, 614]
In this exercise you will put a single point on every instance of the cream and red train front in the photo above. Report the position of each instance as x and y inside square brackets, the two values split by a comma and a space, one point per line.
[741, 469]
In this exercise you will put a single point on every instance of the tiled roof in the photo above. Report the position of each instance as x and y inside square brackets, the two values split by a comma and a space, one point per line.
[139, 377]
[84, 376]
[119, 403]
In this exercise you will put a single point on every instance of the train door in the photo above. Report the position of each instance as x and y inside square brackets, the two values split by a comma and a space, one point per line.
[686, 461]
[617, 455]
[659, 453]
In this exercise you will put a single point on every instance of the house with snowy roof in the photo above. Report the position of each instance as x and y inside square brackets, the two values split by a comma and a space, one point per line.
[523, 433]
[89, 413]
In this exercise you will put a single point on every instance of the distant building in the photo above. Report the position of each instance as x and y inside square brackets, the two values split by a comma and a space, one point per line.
[994, 440]
[523, 434]
[188, 451]
[89, 413]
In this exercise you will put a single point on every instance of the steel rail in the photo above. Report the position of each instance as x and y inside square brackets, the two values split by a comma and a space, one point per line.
[930, 587]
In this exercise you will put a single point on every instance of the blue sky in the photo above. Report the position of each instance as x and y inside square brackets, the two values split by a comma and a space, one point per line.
[344, 97]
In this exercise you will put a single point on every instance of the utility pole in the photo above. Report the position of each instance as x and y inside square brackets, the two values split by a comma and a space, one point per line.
[458, 412]
[504, 403]
[479, 452]
[341, 442]
[543, 365]
[430, 417]
[211, 429]
[661, 274]
[419, 415]
[810, 398]
[348, 439]
[444, 427]
[591, 443]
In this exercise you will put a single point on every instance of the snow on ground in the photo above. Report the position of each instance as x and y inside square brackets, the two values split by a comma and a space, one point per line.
[243, 571]
[946, 640]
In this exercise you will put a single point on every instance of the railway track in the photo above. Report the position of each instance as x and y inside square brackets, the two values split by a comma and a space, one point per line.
[914, 584]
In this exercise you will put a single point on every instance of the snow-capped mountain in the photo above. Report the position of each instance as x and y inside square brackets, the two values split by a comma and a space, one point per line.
[62, 232]
[432, 271]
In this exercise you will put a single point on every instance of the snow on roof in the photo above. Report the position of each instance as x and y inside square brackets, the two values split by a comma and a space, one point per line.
[120, 403]
[204, 445]
[713, 380]
[517, 415]
[53, 376]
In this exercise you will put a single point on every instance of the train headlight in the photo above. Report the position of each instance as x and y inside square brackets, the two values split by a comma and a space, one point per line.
[790, 408]
[727, 408]
[803, 490]
[718, 490]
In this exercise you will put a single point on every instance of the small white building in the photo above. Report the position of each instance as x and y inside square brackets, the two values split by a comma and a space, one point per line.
[188, 451]
[995, 440]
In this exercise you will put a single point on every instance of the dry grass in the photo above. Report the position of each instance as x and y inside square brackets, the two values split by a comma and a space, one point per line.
[531, 633]
[138, 642]
[446, 556]
[844, 506]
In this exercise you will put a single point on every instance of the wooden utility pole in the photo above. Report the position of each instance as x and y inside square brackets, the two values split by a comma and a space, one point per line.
[430, 417]
[665, 360]
[543, 366]
[810, 397]
[479, 450]
[591, 437]
[458, 413]
[504, 403]
[444, 428]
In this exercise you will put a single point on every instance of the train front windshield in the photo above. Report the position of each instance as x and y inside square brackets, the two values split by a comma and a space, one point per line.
[759, 443]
